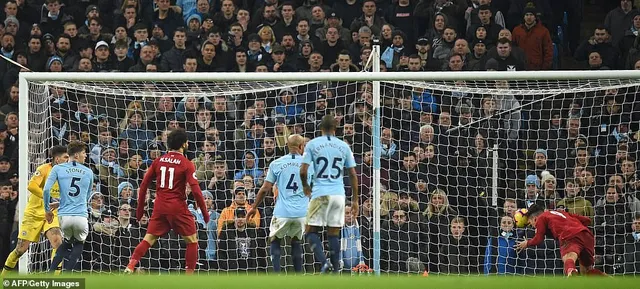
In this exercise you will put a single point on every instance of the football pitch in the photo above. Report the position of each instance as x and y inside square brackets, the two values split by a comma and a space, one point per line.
[240, 281]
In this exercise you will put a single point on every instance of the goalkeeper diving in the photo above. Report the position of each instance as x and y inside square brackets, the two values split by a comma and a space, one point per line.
[34, 223]
[576, 240]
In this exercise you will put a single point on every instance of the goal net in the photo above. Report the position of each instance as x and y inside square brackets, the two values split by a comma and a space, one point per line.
[457, 158]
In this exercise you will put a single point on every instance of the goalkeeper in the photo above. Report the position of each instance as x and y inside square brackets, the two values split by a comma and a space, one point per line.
[34, 222]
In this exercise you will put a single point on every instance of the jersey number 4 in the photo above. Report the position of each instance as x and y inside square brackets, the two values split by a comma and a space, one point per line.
[292, 184]
[325, 164]
[163, 172]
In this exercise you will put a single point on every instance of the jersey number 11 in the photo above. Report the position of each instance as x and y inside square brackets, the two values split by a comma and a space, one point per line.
[163, 171]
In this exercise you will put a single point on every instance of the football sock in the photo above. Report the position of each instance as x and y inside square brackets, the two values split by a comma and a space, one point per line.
[138, 253]
[275, 254]
[296, 255]
[569, 265]
[316, 247]
[334, 247]
[76, 252]
[12, 260]
[596, 272]
[191, 257]
[61, 253]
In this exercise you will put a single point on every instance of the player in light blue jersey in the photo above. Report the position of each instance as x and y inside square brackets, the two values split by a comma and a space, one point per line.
[329, 157]
[75, 181]
[291, 203]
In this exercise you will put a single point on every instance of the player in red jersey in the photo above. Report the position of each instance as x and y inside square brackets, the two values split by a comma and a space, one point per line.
[171, 172]
[576, 240]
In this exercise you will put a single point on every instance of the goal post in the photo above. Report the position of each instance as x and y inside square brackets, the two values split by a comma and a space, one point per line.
[537, 91]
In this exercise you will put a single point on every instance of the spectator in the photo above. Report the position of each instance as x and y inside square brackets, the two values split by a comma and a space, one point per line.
[507, 61]
[368, 18]
[7, 210]
[573, 202]
[502, 247]
[287, 105]
[238, 245]
[444, 45]
[435, 223]
[51, 21]
[618, 20]
[535, 40]
[401, 237]
[485, 16]
[612, 215]
[228, 215]
[460, 255]
[351, 252]
[600, 42]
[632, 247]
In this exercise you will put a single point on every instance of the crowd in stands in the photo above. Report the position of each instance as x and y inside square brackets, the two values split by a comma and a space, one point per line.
[577, 152]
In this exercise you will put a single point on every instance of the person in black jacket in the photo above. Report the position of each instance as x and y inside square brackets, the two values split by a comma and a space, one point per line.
[238, 246]
[7, 211]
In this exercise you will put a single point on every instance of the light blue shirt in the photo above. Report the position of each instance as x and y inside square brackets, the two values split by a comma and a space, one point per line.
[285, 173]
[75, 181]
[329, 157]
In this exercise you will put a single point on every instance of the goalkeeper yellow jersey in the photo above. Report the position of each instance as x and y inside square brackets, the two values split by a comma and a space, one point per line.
[35, 204]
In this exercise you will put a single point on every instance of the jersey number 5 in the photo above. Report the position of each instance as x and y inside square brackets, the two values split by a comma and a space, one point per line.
[75, 187]
[163, 171]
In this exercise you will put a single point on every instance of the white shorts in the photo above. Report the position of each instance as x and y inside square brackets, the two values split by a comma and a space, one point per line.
[326, 211]
[287, 227]
[75, 227]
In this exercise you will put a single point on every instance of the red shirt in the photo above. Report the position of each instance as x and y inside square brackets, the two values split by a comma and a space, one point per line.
[172, 172]
[562, 226]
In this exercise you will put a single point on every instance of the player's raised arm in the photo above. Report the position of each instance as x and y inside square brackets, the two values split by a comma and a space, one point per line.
[195, 190]
[149, 176]
[51, 180]
[267, 187]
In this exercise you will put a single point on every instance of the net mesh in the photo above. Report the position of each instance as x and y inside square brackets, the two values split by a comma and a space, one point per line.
[558, 143]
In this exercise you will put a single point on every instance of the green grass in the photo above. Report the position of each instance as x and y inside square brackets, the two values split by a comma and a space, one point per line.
[240, 281]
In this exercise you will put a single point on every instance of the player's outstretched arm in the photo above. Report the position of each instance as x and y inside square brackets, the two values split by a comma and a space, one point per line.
[541, 231]
[266, 188]
[196, 192]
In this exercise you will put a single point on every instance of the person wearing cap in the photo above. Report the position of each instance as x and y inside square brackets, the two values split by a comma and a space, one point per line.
[12, 25]
[531, 195]
[54, 64]
[333, 20]
[535, 40]
[476, 59]
[227, 216]
[238, 245]
[102, 59]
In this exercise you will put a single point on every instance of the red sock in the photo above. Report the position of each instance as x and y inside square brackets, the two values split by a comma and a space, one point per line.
[138, 253]
[191, 257]
[596, 272]
[569, 265]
